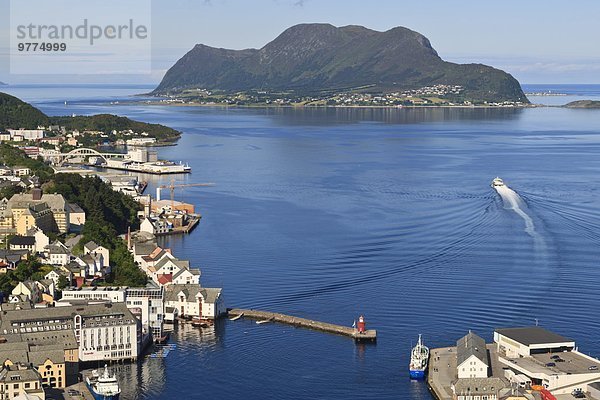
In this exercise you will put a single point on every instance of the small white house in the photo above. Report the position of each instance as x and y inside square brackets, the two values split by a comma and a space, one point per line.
[41, 239]
[95, 249]
[57, 254]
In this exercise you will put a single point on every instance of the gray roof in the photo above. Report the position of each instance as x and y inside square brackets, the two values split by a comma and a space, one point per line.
[54, 201]
[61, 316]
[471, 345]
[480, 385]
[57, 249]
[210, 294]
[91, 245]
[144, 248]
[23, 241]
[190, 291]
[19, 373]
[532, 335]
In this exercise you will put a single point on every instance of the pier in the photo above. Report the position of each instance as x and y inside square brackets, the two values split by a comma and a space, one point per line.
[367, 335]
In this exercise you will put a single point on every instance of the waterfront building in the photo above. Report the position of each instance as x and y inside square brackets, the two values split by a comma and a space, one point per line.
[546, 358]
[146, 303]
[471, 357]
[191, 300]
[477, 388]
[18, 380]
[104, 332]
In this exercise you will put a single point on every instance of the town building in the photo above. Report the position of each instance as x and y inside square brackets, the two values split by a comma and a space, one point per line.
[95, 249]
[104, 332]
[546, 359]
[477, 388]
[22, 243]
[146, 303]
[19, 380]
[194, 301]
[472, 359]
[49, 212]
[26, 134]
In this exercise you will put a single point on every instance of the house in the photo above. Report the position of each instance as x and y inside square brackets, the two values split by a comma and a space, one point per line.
[195, 301]
[156, 226]
[95, 249]
[58, 254]
[187, 276]
[22, 243]
[56, 273]
[76, 217]
[12, 257]
[472, 357]
[41, 239]
[20, 380]
[27, 291]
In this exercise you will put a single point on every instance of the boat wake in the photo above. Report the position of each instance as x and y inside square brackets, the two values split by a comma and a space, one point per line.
[512, 201]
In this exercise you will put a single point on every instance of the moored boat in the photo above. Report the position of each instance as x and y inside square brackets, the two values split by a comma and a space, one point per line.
[103, 387]
[419, 359]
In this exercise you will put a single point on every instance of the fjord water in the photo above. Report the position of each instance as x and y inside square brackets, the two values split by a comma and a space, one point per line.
[328, 214]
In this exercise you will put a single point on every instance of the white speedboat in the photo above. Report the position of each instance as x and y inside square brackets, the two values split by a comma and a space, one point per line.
[497, 182]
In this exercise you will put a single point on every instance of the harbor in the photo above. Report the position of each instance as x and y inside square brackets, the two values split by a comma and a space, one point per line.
[358, 334]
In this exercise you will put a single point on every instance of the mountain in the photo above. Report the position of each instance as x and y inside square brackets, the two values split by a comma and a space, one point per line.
[313, 58]
[15, 113]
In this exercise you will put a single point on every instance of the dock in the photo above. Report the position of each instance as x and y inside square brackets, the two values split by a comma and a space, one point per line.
[368, 335]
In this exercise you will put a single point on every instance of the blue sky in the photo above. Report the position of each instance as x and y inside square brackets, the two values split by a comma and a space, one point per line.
[537, 41]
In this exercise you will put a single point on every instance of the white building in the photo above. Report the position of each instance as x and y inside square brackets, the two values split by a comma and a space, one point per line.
[146, 303]
[92, 248]
[27, 134]
[471, 357]
[546, 359]
[195, 301]
[104, 332]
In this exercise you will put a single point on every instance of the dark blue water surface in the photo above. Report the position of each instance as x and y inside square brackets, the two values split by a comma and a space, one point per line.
[331, 213]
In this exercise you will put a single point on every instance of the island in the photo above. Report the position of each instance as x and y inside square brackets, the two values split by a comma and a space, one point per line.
[90, 131]
[324, 65]
[583, 104]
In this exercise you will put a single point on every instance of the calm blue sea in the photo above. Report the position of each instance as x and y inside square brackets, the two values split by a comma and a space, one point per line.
[329, 214]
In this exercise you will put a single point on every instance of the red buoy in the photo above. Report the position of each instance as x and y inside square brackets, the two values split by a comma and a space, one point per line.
[361, 326]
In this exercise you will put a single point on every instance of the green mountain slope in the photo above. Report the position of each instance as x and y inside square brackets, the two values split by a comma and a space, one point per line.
[312, 58]
[15, 113]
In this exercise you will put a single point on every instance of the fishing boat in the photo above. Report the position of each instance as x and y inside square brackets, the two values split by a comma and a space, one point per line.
[419, 359]
[497, 182]
[264, 321]
[103, 387]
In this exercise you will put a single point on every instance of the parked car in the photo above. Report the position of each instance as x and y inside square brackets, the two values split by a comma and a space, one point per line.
[554, 357]
[550, 364]
[559, 360]
[593, 367]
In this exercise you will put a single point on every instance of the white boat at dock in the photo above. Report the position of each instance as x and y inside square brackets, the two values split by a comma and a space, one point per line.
[236, 317]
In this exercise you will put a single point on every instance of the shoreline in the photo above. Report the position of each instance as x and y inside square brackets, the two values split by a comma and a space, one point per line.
[250, 106]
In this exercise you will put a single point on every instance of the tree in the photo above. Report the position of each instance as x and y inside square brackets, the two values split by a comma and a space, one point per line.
[63, 282]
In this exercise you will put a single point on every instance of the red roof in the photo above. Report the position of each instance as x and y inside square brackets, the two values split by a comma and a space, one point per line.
[163, 279]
